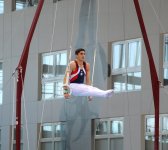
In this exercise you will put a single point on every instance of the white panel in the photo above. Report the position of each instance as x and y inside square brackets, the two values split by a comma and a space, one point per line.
[61, 23]
[29, 15]
[31, 78]
[116, 30]
[17, 32]
[163, 16]
[7, 89]
[150, 19]
[45, 29]
[1, 36]
[7, 36]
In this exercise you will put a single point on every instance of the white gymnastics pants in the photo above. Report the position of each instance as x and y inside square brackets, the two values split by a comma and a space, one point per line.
[87, 90]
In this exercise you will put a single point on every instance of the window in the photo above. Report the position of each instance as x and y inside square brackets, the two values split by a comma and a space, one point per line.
[165, 60]
[21, 4]
[1, 6]
[126, 65]
[1, 83]
[0, 138]
[53, 136]
[14, 138]
[108, 134]
[150, 129]
[56, 1]
[53, 70]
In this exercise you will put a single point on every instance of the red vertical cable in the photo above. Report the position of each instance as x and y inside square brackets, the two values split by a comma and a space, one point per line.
[21, 68]
[153, 73]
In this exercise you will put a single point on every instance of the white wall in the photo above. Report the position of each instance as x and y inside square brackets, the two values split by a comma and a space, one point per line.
[116, 22]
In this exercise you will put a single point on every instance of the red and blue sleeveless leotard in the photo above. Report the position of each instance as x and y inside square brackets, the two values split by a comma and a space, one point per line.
[78, 75]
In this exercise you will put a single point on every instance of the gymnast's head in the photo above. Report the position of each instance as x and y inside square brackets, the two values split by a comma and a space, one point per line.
[80, 54]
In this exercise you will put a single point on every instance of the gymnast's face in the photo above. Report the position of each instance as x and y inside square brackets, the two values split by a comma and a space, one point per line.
[81, 56]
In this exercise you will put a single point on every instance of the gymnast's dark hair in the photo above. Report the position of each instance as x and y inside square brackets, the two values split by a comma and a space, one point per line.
[79, 50]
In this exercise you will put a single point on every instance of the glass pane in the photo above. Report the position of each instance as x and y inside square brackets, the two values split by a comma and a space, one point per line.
[165, 142]
[117, 127]
[134, 54]
[101, 144]
[165, 76]
[150, 124]
[61, 63]
[166, 48]
[47, 131]
[20, 4]
[0, 135]
[118, 82]
[149, 142]
[118, 56]
[60, 130]
[1, 6]
[1, 75]
[15, 133]
[48, 66]
[101, 127]
[21, 146]
[1, 96]
[59, 145]
[48, 90]
[134, 81]
[58, 88]
[116, 144]
[165, 124]
[46, 146]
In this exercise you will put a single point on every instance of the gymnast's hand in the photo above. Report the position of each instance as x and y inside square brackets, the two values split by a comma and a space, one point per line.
[90, 98]
[66, 92]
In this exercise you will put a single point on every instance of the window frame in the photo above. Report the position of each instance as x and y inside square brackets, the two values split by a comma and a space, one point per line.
[13, 128]
[52, 139]
[24, 4]
[161, 132]
[54, 79]
[2, 82]
[126, 70]
[165, 63]
[0, 138]
[2, 8]
[109, 135]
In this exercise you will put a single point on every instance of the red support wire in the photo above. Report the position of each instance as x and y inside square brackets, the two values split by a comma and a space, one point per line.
[21, 69]
[153, 73]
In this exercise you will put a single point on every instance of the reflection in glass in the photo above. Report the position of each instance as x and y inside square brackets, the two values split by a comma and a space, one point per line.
[48, 90]
[60, 130]
[48, 66]
[166, 48]
[150, 124]
[119, 82]
[61, 62]
[134, 81]
[117, 127]
[165, 76]
[20, 4]
[101, 127]
[1, 6]
[134, 54]
[47, 131]
[165, 124]
[58, 88]
[118, 56]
